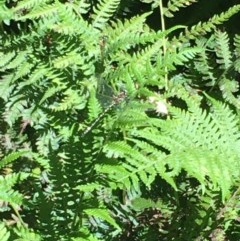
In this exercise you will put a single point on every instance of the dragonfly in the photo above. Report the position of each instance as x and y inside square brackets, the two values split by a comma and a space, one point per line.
[116, 99]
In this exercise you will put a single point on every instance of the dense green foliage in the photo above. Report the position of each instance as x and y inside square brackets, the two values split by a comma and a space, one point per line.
[111, 130]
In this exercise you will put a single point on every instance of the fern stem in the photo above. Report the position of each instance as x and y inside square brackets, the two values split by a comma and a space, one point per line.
[19, 216]
[163, 28]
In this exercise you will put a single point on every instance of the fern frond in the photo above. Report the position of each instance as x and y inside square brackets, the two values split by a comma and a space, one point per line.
[18, 60]
[11, 179]
[73, 100]
[12, 197]
[83, 6]
[174, 59]
[94, 106]
[69, 22]
[26, 234]
[132, 115]
[4, 233]
[86, 236]
[10, 158]
[73, 59]
[23, 70]
[102, 214]
[88, 188]
[14, 109]
[237, 45]
[69, 59]
[43, 142]
[6, 86]
[137, 62]
[50, 92]
[7, 182]
[228, 87]
[237, 65]
[36, 75]
[175, 5]
[43, 162]
[196, 141]
[6, 58]
[222, 50]
[28, 4]
[57, 62]
[138, 166]
[227, 122]
[203, 28]
[203, 62]
[5, 14]
[85, 32]
[103, 12]
[152, 49]
[127, 34]
[39, 11]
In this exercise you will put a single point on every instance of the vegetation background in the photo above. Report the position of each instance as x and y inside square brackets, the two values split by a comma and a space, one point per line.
[119, 120]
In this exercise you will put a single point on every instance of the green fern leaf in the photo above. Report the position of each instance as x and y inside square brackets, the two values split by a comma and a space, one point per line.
[69, 59]
[14, 109]
[202, 28]
[23, 70]
[40, 12]
[90, 187]
[104, 10]
[197, 142]
[137, 166]
[5, 14]
[6, 87]
[73, 100]
[74, 59]
[184, 55]
[102, 214]
[124, 35]
[83, 6]
[69, 22]
[86, 236]
[4, 234]
[203, 60]
[7, 194]
[26, 234]
[28, 4]
[10, 158]
[222, 50]
[35, 76]
[6, 58]
[94, 106]
[50, 92]
[43, 142]
[174, 5]
[237, 45]
[20, 58]
[228, 87]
